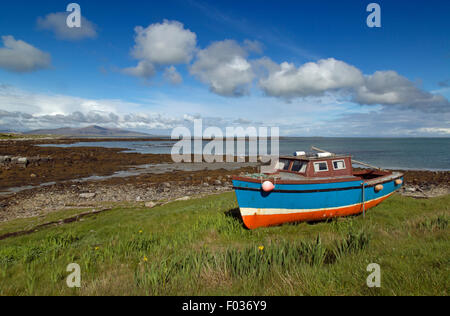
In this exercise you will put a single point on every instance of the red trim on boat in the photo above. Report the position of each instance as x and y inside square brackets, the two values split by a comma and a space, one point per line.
[257, 221]
[320, 190]
[297, 182]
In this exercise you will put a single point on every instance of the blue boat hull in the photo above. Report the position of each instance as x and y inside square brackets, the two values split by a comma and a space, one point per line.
[309, 202]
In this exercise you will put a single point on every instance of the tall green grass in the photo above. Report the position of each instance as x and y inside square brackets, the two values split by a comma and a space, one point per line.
[200, 247]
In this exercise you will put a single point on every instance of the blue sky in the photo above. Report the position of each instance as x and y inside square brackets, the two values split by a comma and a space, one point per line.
[313, 68]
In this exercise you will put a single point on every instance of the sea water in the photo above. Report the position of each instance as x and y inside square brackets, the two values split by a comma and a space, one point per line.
[389, 153]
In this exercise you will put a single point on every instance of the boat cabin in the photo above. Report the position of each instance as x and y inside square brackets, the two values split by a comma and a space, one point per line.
[322, 165]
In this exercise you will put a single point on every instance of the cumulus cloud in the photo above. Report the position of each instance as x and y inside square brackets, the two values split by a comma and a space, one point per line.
[56, 23]
[19, 56]
[389, 88]
[265, 66]
[310, 79]
[172, 75]
[144, 70]
[166, 43]
[386, 88]
[162, 44]
[253, 46]
[225, 68]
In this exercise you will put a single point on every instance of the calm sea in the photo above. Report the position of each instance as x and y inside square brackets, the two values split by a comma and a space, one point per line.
[390, 153]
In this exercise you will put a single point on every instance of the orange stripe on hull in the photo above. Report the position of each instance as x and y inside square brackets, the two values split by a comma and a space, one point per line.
[256, 221]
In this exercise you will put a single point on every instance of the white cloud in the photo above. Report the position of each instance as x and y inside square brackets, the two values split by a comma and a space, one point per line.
[19, 56]
[166, 43]
[253, 46]
[224, 66]
[385, 88]
[162, 44]
[389, 88]
[17, 100]
[310, 79]
[172, 75]
[21, 110]
[265, 66]
[144, 70]
[436, 130]
[56, 23]
[19, 121]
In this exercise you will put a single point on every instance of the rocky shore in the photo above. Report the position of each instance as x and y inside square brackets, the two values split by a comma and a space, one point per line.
[90, 195]
[22, 164]
[53, 164]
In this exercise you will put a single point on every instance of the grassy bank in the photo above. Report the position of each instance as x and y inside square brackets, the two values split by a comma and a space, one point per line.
[199, 247]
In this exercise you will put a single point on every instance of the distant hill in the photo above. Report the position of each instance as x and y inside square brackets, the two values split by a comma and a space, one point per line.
[6, 131]
[90, 131]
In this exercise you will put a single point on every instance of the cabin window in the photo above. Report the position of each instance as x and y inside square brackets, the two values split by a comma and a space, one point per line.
[339, 164]
[299, 166]
[320, 166]
[284, 164]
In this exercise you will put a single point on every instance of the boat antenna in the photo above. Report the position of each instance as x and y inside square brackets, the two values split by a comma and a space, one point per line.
[355, 161]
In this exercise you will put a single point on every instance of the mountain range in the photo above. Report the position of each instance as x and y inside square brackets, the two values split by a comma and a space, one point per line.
[89, 131]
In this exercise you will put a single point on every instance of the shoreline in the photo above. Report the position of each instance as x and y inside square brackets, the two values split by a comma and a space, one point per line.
[79, 177]
[73, 141]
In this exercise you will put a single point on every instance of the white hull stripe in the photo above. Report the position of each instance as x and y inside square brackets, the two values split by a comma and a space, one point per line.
[245, 211]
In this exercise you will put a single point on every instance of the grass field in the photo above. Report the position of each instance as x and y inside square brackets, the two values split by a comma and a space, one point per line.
[199, 247]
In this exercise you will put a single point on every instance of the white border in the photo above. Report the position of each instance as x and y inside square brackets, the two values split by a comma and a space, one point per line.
[245, 211]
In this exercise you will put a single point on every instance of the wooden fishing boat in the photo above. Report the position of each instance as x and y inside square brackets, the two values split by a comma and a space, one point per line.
[312, 188]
